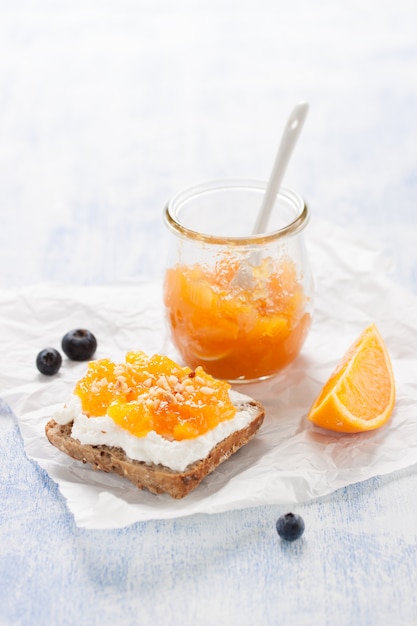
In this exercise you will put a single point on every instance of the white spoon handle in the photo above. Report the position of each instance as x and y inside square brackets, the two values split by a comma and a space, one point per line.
[289, 138]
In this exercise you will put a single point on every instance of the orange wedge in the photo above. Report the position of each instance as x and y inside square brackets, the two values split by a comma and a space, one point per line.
[360, 394]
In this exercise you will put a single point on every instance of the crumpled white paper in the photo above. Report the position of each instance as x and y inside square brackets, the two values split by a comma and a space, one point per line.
[290, 460]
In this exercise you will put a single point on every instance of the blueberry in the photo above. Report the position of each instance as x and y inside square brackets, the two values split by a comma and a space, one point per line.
[290, 526]
[48, 361]
[79, 344]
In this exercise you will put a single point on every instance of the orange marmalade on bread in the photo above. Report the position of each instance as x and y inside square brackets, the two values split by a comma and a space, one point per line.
[154, 393]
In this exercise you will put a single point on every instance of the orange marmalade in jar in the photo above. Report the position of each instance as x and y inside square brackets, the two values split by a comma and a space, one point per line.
[240, 305]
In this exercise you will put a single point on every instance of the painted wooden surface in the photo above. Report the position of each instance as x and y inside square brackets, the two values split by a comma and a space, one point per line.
[106, 110]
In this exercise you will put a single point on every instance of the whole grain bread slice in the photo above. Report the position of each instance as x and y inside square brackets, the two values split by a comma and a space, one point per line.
[155, 478]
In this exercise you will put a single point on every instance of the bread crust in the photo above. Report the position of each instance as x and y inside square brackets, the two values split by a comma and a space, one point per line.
[155, 478]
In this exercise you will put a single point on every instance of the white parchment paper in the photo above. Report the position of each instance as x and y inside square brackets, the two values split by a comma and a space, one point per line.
[290, 460]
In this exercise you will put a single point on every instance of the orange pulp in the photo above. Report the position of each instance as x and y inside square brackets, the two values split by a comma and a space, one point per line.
[238, 321]
[155, 393]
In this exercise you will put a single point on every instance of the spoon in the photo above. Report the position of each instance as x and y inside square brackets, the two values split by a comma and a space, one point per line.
[289, 138]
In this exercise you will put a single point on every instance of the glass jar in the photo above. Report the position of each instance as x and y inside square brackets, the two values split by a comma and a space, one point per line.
[238, 304]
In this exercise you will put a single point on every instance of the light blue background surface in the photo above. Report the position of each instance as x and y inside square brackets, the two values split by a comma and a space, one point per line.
[106, 110]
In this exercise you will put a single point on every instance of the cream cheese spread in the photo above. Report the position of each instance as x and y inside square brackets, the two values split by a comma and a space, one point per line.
[153, 448]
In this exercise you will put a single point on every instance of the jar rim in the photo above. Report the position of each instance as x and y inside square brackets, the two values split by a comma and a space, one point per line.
[292, 228]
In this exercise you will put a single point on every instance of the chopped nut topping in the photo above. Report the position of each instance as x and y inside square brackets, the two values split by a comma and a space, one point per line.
[208, 391]
[95, 387]
[163, 382]
[165, 395]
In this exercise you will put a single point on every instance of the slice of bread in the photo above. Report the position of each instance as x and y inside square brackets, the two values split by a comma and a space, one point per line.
[156, 478]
